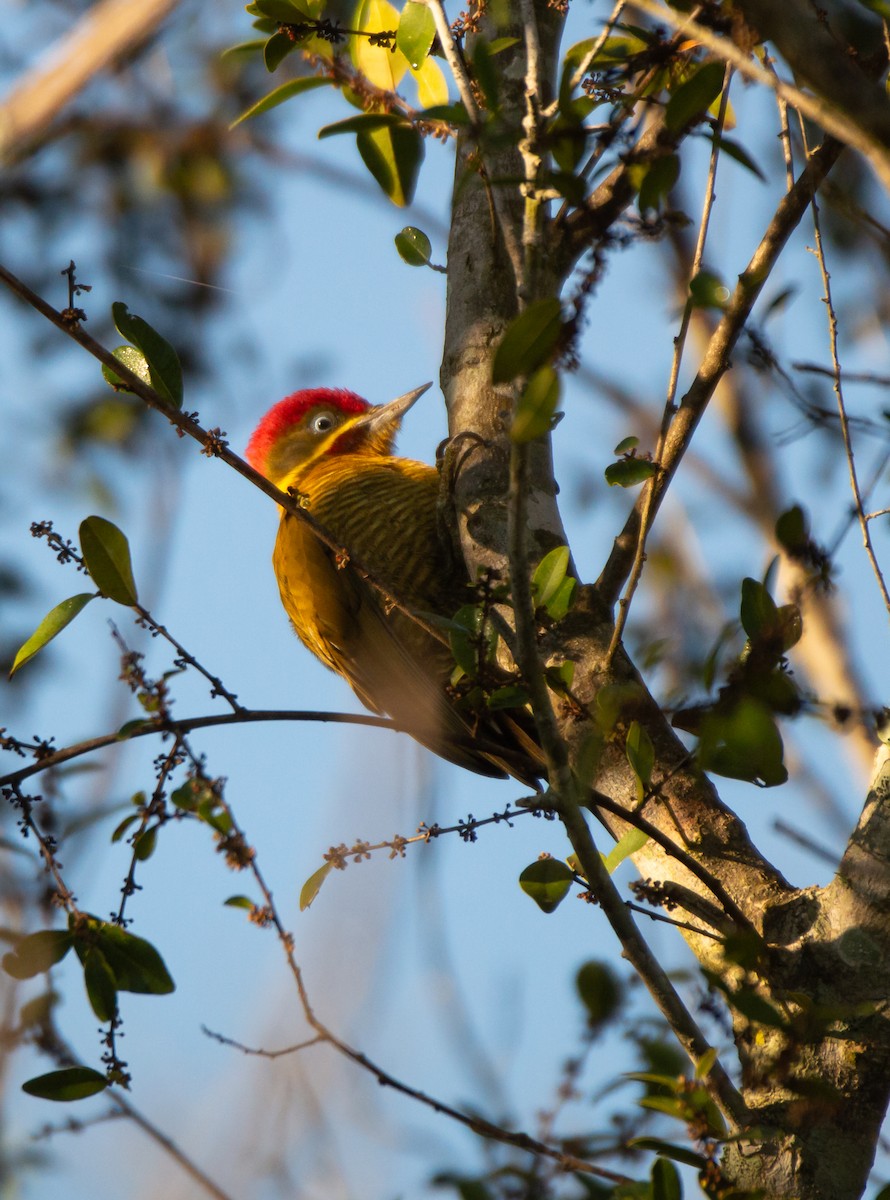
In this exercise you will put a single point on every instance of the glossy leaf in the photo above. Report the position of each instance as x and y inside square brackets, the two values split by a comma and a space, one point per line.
[134, 360]
[432, 86]
[529, 341]
[382, 66]
[51, 625]
[537, 405]
[547, 881]
[100, 984]
[414, 246]
[163, 361]
[107, 556]
[312, 886]
[294, 87]
[37, 952]
[629, 843]
[626, 444]
[70, 1083]
[694, 97]
[239, 902]
[629, 472]
[561, 601]
[393, 156]
[416, 32]
[549, 575]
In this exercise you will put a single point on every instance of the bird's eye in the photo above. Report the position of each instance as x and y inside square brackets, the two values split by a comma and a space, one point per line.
[323, 423]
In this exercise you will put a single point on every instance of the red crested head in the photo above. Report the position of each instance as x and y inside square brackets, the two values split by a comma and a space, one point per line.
[285, 416]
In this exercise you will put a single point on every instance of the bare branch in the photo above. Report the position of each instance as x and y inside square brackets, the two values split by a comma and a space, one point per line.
[107, 32]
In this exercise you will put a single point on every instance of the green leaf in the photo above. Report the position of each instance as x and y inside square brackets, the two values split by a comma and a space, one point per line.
[163, 361]
[641, 756]
[793, 530]
[511, 696]
[629, 843]
[281, 11]
[737, 151]
[134, 962]
[413, 245]
[529, 341]
[362, 122]
[705, 1063]
[562, 598]
[416, 32]
[629, 472]
[549, 575]
[708, 290]
[100, 984]
[124, 826]
[693, 98]
[144, 843]
[134, 360]
[37, 952]
[239, 902]
[452, 114]
[536, 406]
[743, 744]
[626, 445]
[294, 87]
[668, 1150]
[486, 75]
[665, 1181]
[393, 155]
[547, 881]
[107, 556]
[276, 50]
[71, 1083]
[759, 614]
[312, 886]
[53, 623]
[600, 991]
[658, 179]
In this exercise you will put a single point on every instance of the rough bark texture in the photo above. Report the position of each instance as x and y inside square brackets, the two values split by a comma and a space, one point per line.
[817, 1090]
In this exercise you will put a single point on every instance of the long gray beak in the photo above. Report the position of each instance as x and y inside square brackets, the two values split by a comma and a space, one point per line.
[392, 413]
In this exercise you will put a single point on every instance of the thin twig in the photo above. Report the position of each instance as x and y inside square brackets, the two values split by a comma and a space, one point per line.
[670, 407]
[716, 360]
[167, 1144]
[842, 408]
[155, 725]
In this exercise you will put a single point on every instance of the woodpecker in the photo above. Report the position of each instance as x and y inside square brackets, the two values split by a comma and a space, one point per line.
[334, 451]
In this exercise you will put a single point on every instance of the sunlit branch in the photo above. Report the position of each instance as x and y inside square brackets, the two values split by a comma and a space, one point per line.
[716, 359]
